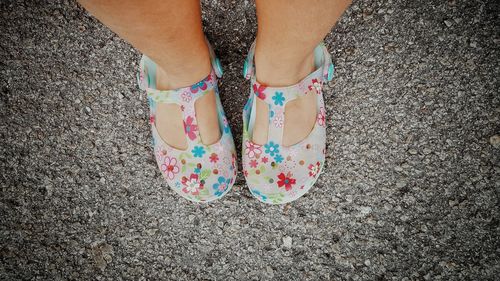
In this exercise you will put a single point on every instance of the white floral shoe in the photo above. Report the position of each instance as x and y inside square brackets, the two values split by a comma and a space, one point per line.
[274, 173]
[201, 173]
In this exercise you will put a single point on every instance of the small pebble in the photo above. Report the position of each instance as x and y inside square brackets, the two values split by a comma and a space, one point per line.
[287, 242]
[365, 210]
[423, 228]
[495, 141]
[270, 271]
[401, 184]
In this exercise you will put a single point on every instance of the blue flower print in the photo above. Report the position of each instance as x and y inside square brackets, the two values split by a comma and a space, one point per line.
[221, 186]
[278, 158]
[272, 148]
[278, 98]
[198, 151]
[260, 195]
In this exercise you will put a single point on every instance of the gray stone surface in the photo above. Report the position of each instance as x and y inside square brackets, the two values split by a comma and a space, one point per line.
[411, 190]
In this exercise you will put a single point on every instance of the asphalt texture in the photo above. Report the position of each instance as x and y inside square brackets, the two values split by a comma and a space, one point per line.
[410, 191]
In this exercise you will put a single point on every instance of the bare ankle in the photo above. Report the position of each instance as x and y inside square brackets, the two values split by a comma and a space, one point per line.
[280, 69]
[181, 76]
[183, 70]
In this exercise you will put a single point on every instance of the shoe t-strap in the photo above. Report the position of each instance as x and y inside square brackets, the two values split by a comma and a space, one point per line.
[278, 97]
[185, 97]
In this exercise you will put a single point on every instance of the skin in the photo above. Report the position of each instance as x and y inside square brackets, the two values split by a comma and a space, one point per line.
[173, 38]
[171, 35]
[288, 31]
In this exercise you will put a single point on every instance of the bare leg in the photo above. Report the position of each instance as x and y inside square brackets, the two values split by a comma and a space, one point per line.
[170, 33]
[288, 32]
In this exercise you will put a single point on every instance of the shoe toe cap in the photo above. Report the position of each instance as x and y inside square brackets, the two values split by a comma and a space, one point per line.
[203, 185]
[199, 180]
[279, 187]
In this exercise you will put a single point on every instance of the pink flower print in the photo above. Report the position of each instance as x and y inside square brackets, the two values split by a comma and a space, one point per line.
[310, 88]
[214, 158]
[186, 96]
[314, 169]
[199, 86]
[278, 121]
[259, 91]
[252, 149]
[151, 119]
[286, 181]
[190, 128]
[315, 85]
[169, 167]
[321, 117]
[264, 160]
[209, 77]
[253, 163]
[192, 185]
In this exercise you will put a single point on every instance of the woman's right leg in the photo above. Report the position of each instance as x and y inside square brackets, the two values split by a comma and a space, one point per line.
[170, 33]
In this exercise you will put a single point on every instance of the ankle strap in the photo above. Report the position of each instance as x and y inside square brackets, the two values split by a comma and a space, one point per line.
[279, 96]
[184, 95]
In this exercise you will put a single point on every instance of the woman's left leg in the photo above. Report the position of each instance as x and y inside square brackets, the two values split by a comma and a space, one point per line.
[288, 32]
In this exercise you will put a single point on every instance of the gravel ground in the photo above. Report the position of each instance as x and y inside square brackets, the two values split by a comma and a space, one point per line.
[410, 191]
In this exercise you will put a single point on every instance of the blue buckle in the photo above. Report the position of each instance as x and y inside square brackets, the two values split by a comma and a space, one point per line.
[217, 67]
[331, 70]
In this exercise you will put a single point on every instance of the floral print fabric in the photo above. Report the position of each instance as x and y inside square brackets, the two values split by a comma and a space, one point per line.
[277, 174]
[201, 173]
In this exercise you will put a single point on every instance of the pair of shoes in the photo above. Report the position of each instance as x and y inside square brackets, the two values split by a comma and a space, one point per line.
[274, 173]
